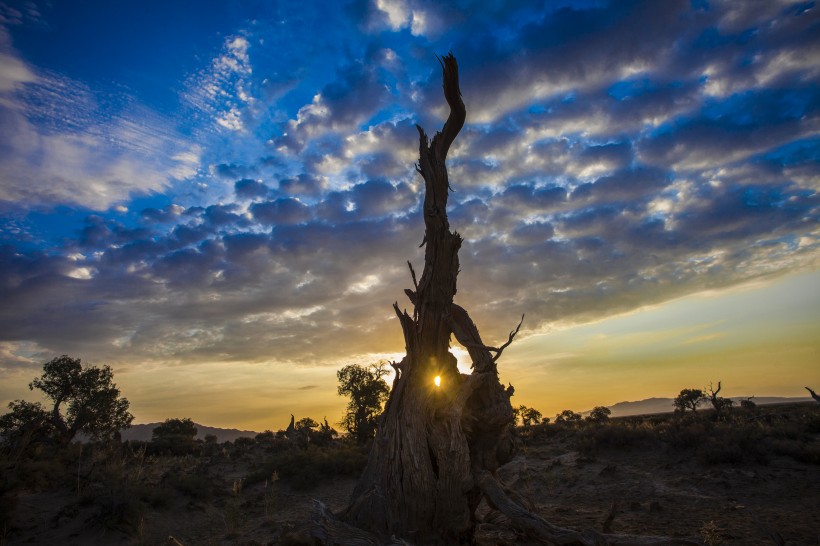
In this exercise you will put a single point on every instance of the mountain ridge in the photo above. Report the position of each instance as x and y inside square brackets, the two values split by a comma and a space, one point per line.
[144, 431]
[667, 405]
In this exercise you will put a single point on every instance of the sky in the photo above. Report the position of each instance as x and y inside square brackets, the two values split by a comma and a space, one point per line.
[219, 199]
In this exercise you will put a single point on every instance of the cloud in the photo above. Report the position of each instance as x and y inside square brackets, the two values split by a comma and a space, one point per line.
[250, 189]
[601, 169]
[223, 91]
[351, 99]
[282, 211]
[59, 145]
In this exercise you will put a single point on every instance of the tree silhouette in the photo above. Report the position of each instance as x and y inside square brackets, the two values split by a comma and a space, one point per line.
[175, 435]
[719, 403]
[529, 416]
[688, 399]
[599, 414]
[24, 424]
[367, 389]
[813, 395]
[568, 417]
[84, 399]
[443, 434]
[306, 424]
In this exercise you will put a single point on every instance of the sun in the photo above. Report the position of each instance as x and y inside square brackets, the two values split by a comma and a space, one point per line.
[437, 381]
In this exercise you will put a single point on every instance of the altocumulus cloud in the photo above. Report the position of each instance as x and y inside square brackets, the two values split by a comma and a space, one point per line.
[615, 155]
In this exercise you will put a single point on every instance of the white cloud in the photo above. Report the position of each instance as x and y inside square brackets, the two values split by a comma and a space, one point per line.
[398, 15]
[221, 92]
[61, 146]
[13, 72]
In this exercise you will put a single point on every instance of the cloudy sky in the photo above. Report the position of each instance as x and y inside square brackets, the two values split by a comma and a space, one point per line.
[219, 199]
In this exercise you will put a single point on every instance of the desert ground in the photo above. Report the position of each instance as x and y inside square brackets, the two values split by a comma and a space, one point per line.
[750, 479]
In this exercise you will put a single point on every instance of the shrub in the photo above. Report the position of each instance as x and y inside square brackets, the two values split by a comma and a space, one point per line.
[306, 469]
[175, 437]
[567, 417]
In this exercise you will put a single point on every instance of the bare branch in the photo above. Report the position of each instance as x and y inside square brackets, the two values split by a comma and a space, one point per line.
[510, 340]
[413, 275]
[458, 113]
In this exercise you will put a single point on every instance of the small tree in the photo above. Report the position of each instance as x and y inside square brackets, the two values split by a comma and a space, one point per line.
[175, 436]
[27, 422]
[306, 424]
[91, 401]
[599, 414]
[688, 399]
[367, 391]
[719, 403]
[748, 405]
[568, 417]
[324, 435]
[529, 416]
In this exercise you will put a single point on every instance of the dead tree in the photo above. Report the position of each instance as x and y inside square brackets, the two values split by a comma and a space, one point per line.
[443, 434]
[719, 403]
[813, 395]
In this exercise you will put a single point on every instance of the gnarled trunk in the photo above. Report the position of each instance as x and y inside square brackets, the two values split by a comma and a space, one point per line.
[438, 445]
[420, 481]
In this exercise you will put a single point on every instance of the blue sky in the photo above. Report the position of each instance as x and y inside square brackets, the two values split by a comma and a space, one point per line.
[222, 195]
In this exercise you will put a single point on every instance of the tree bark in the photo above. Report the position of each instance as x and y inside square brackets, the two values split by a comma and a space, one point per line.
[419, 482]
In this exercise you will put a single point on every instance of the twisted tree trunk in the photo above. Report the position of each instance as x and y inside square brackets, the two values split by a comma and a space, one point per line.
[419, 482]
[439, 442]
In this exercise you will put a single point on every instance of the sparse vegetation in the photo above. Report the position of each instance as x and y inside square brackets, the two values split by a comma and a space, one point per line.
[237, 492]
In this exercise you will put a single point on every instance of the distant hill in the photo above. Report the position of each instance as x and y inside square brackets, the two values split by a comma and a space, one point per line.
[666, 405]
[144, 432]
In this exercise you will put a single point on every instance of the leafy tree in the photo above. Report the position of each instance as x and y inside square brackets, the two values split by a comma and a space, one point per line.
[599, 414]
[529, 416]
[264, 437]
[26, 422]
[306, 424]
[84, 399]
[367, 391]
[688, 399]
[175, 435]
[568, 417]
